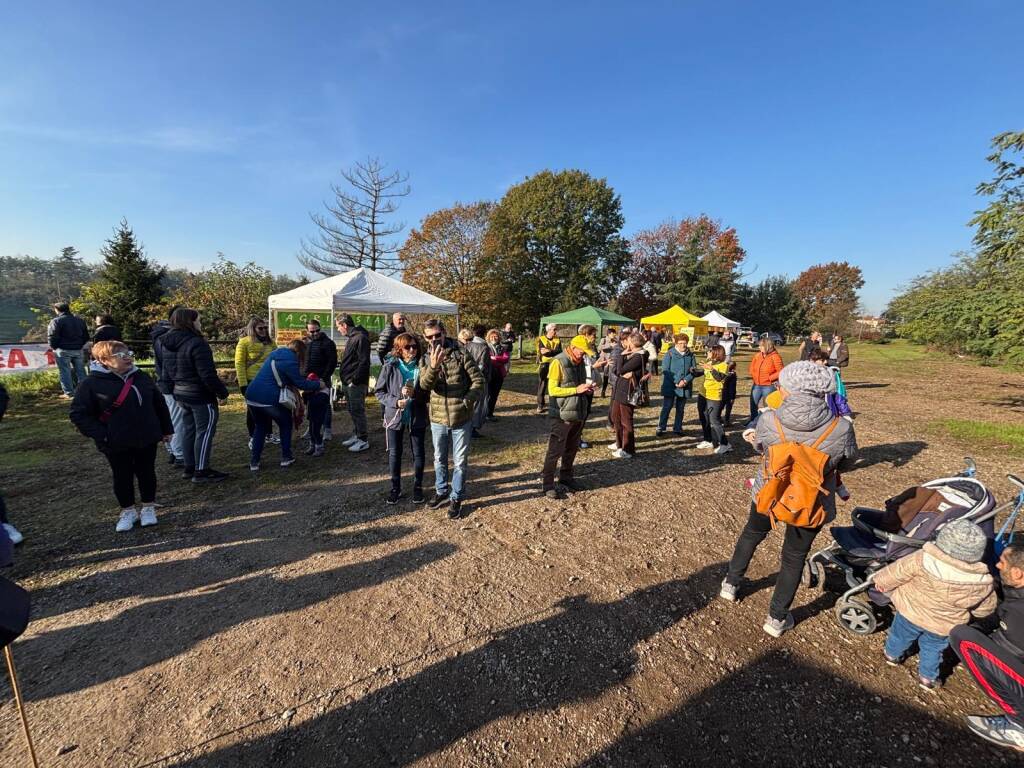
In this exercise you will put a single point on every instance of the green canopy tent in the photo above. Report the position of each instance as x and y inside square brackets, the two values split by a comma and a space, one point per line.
[599, 318]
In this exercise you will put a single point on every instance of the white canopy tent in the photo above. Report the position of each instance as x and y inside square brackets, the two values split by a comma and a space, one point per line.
[361, 291]
[718, 320]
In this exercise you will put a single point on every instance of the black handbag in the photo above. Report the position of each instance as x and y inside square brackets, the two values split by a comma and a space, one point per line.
[14, 609]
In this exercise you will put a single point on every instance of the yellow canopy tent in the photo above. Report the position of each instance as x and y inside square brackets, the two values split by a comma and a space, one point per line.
[680, 321]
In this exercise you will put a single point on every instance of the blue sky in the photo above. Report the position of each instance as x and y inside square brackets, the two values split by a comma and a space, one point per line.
[821, 131]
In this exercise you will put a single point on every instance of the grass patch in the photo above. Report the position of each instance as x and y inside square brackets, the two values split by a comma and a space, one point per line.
[1006, 436]
[899, 350]
[33, 384]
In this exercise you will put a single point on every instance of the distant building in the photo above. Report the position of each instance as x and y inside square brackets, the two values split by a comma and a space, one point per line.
[869, 323]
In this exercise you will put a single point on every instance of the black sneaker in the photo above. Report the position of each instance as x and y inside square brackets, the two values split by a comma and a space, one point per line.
[393, 497]
[476, 433]
[187, 473]
[209, 476]
[438, 501]
[417, 496]
[171, 460]
[659, 432]
[455, 510]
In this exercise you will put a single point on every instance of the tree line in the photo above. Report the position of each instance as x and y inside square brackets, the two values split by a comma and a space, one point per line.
[976, 306]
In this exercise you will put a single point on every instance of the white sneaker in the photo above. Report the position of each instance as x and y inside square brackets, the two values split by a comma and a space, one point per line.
[327, 433]
[728, 591]
[13, 534]
[777, 628]
[273, 439]
[147, 516]
[129, 517]
[613, 447]
[287, 462]
[349, 442]
[704, 444]
[723, 448]
[621, 454]
[359, 446]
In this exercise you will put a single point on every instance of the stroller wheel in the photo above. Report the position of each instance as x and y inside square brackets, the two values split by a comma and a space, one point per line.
[813, 574]
[856, 617]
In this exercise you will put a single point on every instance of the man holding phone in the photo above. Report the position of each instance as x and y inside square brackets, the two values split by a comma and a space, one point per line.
[455, 383]
[570, 393]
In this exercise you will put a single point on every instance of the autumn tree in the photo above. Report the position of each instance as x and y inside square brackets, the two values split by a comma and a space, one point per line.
[127, 284]
[444, 256]
[770, 305]
[227, 295]
[828, 293]
[358, 228]
[693, 263]
[555, 243]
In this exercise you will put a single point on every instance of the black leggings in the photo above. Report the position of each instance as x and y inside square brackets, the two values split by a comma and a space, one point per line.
[129, 465]
[795, 546]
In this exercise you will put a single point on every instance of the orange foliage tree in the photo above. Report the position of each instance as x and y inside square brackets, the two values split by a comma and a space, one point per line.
[829, 295]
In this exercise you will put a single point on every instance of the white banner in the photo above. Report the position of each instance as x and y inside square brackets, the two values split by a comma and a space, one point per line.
[19, 358]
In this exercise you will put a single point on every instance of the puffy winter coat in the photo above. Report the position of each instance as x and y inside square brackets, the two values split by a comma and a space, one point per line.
[66, 331]
[804, 418]
[249, 356]
[186, 368]
[936, 591]
[141, 420]
[264, 390]
[765, 369]
[481, 354]
[387, 340]
[454, 386]
[675, 368]
[321, 356]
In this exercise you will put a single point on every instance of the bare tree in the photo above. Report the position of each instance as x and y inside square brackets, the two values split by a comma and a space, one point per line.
[356, 230]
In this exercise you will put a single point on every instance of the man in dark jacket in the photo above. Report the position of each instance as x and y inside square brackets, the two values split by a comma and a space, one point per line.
[321, 359]
[354, 370]
[481, 354]
[508, 339]
[838, 353]
[388, 336]
[996, 660]
[67, 335]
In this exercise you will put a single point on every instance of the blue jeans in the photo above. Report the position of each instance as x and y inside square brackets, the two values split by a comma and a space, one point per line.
[263, 417]
[70, 361]
[439, 434]
[930, 646]
[758, 392]
[667, 404]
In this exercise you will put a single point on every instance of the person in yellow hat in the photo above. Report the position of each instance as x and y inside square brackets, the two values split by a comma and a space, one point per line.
[570, 395]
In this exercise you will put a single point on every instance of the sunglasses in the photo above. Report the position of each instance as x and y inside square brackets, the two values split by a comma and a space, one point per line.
[410, 346]
[126, 355]
[432, 336]
[261, 327]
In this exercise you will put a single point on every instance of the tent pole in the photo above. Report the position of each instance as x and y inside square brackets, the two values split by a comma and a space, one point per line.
[20, 704]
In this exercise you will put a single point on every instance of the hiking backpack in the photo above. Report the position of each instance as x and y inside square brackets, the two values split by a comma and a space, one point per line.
[794, 477]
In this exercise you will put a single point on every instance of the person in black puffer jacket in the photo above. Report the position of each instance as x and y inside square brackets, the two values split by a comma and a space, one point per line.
[321, 360]
[354, 370]
[121, 409]
[188, 372]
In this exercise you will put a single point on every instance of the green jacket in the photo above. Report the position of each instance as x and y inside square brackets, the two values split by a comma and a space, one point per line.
[565, 406]
[454, 386]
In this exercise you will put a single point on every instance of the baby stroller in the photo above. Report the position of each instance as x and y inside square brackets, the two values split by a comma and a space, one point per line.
[879, 537]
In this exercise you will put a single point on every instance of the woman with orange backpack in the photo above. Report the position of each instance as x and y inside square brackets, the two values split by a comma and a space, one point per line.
[804, 428]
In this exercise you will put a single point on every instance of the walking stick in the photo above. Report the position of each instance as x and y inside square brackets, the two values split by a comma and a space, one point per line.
[21, 705]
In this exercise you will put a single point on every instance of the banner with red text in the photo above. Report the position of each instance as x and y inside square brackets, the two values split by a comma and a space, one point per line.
[21, 358]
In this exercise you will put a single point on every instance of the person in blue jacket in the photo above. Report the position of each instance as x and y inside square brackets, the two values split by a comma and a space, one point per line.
[283, 368]
[676, 383]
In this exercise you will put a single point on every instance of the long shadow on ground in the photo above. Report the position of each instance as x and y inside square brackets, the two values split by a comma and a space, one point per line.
[583, 650]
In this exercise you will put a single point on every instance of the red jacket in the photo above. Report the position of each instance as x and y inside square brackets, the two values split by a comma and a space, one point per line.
[765, 369]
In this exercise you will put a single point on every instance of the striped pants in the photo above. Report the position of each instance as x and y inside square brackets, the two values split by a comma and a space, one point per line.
[199, 422]
[998, 672]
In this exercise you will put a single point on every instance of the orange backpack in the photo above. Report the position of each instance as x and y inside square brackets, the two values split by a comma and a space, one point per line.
[794, 476]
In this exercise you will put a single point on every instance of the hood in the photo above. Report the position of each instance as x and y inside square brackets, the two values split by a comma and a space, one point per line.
[803, 412]
[97, 368]
[946, 568]
[175, 339]
[159, 330]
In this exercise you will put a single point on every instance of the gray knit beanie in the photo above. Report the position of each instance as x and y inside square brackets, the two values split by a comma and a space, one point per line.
[808, 378]
[963, 540]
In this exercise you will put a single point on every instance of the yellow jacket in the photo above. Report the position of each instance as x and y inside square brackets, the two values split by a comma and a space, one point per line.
[712, 388]
[543, 342]
[249, 356]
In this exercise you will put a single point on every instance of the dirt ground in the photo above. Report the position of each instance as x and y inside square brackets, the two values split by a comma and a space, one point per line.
[296, 620]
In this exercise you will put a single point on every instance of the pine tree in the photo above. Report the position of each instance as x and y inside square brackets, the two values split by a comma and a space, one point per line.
[128, 283]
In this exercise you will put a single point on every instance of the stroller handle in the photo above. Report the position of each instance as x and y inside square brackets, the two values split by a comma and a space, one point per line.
[1016, 481]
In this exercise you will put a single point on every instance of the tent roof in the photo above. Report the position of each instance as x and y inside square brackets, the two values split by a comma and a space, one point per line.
[582, 315]
[718, 320]
[675, 315]
[361, 290]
